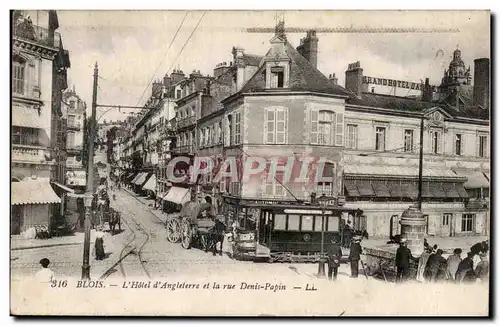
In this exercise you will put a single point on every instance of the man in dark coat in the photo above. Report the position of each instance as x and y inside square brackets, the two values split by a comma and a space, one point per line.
[334, 256]
[218, 235]
[355, 256]
[403, 257]
[480, 247]
[436, 260]
[347, 235]
[465, 271]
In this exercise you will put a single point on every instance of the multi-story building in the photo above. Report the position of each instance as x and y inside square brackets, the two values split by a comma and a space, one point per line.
[38, 76]
[382, 153]
[74, 111]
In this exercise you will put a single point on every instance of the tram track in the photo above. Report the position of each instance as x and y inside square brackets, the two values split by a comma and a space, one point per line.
[130, 248]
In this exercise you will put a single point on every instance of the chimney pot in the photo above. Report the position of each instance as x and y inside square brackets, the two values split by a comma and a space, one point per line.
[481, 88]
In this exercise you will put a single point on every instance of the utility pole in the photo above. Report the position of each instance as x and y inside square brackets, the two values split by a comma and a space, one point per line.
[421, 163]
[90, 180]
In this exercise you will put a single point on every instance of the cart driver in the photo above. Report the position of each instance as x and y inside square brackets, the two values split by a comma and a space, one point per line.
[208, 208]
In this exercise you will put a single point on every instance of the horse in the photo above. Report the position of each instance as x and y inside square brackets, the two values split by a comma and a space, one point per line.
[114, 219]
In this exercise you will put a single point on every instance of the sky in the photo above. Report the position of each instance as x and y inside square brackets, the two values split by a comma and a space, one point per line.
[133, 47]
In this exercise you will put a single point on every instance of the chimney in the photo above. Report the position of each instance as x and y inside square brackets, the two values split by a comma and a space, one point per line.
[481, 91]
[308, 48]
[220, 69]
[333, 79]
[167, 81]
[427, 91]
[156, 88]
[239, 61]
[177, 76]
[354, 79]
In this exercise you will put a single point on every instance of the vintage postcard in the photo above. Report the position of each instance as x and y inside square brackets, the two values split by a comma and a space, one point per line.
[250, 163]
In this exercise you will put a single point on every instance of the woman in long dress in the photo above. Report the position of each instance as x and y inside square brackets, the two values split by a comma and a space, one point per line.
[99, 245]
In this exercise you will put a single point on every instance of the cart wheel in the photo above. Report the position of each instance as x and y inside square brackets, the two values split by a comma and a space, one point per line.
[173, 230]
[187, 234]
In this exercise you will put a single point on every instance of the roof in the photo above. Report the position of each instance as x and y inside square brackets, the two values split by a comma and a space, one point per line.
[396, 170]
[465, 107]
[252, 59]
[390, 102]
[33, 192]
[303, 76]
[23, 116]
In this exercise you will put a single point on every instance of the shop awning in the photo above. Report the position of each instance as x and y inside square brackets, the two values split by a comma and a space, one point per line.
[151, 184]
[365, 188]
[135, 178]
[351, 188]
[380, 188]
[475, 179]
[25, 117]
[178, 195]
[141, 179]
[33, 192]
[63, 187]
[130, 176]
[395, 170]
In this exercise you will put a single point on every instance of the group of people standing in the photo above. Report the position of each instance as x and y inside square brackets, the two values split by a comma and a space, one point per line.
[334, 251]
[433, 267]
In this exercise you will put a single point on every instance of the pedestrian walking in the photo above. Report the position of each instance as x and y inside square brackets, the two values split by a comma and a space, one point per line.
[334, 255]
[99, 245]
[465, 270]
[355, 256]
[403, 257]
[45, 275]
[482, 268]
[452, 264]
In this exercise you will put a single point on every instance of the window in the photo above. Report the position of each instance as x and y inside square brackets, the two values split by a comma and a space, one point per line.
[307, 223]
[446, 219]
[380, 138]
[325, 128]
[483, 146]
[280, 222]
[192, 139]
[220, 133]
[237, 128]
[72, 104]
[24, 136]
[293, 222]
[352, 136]
[222, 185]
[193, 111]
[332, 223]
[178, 94]
[317, 223]
[18, 75]
[325, 188]
[435, 142]
[209, 136]
[275, 125]
[235, 188]
[459, 144]
[408, 140]
[277, 77]
[468, 222]
[274, 189]
[70, 140]
[202, 137]
[230, 129]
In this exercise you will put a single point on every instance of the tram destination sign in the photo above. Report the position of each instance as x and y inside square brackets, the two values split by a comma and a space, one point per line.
[395, 83]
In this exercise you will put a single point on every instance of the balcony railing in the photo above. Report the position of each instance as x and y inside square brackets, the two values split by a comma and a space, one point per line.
[29, 153]
[74, 125]
[28, 31]
[186, 122]
[184, 150]
[74, 148]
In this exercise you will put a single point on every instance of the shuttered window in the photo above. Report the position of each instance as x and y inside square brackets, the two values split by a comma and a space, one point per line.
[275, 126]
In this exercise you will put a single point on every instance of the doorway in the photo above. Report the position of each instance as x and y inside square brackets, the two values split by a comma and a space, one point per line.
[446, 224]
[16, 219]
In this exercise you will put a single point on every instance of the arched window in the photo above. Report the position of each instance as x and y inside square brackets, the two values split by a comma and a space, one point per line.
[18, 75]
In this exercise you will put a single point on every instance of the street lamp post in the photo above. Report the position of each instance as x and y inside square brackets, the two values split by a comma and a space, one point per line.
[90, 181]
[323, 200]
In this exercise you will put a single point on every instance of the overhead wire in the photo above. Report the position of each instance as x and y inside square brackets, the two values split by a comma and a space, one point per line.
[161, 62]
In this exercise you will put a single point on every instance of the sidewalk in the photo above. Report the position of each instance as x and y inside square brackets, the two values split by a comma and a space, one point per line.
[17, 242]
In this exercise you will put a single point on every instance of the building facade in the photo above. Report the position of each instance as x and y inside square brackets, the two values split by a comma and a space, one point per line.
[38, 76]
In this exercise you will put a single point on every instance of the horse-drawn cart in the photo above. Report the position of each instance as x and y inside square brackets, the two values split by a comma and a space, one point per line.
[189, 227]
[105, 213]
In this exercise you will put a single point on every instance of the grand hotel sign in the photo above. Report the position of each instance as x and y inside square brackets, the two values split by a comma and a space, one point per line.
[395, 83]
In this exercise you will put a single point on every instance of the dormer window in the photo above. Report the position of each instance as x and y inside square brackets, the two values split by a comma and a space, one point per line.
[277, 77]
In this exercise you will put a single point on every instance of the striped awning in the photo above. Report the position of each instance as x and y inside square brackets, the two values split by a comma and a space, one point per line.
[151, 184]
[31, 192]
[25, 117]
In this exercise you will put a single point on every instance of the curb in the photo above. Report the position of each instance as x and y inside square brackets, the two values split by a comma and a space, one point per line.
[47, 246]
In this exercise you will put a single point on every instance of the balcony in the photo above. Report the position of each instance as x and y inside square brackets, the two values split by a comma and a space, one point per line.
[29, 153]
[186, 122]
[74, 125]
[74, 148]
[189, 150]
[37, 34]
[73, 164]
